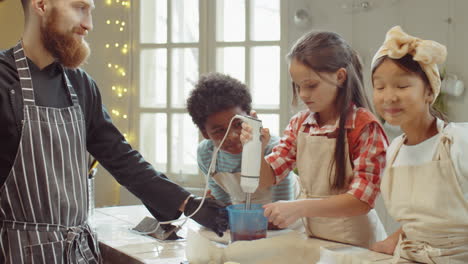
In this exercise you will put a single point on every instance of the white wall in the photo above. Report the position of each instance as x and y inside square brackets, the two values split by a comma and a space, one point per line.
[365, 31]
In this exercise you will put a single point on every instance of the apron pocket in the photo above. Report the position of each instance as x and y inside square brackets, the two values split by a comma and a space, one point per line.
[52, 252]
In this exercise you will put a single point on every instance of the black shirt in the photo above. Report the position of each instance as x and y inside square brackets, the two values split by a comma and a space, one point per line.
[103, 140]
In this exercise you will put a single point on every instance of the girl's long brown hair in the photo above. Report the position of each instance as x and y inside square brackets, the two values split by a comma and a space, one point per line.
[327, 52]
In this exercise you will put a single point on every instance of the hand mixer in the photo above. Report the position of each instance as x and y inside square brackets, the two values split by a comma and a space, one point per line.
[250, 175]
[251, 159]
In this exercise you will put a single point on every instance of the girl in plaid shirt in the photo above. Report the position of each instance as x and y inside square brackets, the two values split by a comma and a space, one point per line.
[337, 145]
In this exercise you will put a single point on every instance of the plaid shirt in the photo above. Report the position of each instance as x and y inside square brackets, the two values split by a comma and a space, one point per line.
[367, 151]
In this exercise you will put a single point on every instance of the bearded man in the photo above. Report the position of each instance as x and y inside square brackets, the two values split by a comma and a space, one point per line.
[51, 115]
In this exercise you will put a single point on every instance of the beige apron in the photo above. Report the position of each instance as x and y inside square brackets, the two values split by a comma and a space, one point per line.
[314, 156]
[230, 183]
[428, 202]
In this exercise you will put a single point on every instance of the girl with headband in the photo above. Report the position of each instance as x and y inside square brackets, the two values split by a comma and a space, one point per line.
[425, 184]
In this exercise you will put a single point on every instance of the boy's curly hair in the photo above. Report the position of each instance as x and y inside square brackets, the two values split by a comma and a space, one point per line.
[216, 92]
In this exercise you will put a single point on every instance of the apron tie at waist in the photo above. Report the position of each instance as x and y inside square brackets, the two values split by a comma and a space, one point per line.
[78, 238]
[418, 250]
[418, 246]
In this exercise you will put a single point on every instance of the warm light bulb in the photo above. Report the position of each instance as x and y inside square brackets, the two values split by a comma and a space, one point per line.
[109, 65]
[125, 90]
[116, 66]
[117, 22]
[121, 29]
[124, 51]
[108, 2]
[119, 95]
[108, 22]
[123, 23]
[107, 46]
[113, 88]
[116, 45]
[123, 74]
[125, 46]
[124, 116]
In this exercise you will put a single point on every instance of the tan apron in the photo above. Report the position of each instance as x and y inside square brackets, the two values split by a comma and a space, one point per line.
[314, 156]
[230, 183]
[428, 202]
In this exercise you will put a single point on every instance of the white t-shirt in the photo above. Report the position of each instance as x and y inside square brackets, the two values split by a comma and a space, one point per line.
[424, 152]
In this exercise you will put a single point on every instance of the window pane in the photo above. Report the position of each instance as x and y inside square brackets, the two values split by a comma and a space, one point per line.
[153, 139]
[185, 21]
[184, 74]
[270, 121]
[153, 78]
[231, 61]
[230, 20]
[265, 20]
[153, 21]
[184, 145]
[265, 76]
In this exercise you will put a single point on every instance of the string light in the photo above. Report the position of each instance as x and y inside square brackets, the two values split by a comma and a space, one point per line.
[118, 25]
[120, 91]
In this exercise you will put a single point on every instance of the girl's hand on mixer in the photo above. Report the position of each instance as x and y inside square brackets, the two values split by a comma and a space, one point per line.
[246, 132]
[284, 213]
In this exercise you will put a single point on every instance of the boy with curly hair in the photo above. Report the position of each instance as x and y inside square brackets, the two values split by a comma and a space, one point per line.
[213, 102]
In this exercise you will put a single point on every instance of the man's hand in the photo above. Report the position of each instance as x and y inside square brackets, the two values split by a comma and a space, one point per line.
[211, 215]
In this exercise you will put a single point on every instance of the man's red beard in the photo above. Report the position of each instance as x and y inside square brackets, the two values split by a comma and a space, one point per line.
[64, 47]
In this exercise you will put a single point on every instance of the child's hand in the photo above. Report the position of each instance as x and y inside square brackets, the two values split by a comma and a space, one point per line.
[283, 213]
[209, 195]
[246, 133]
[386, 246]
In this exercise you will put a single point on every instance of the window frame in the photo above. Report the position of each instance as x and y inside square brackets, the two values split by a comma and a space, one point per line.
[207, 50]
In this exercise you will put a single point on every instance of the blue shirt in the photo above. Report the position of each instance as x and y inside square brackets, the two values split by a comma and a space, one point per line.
[231, 163]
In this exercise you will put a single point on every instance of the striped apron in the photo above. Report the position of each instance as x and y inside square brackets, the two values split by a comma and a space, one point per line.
[43, 203]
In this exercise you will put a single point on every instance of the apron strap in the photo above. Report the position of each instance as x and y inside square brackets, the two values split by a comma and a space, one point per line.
[443, 140]
[72, 92]
[397, 150]
[24, 74]
[26, 83]
[443, 148]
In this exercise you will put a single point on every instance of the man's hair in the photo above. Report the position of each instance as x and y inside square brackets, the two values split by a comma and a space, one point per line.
[216, 92]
